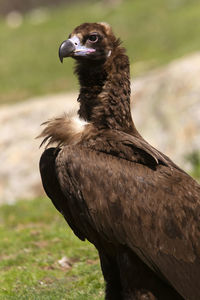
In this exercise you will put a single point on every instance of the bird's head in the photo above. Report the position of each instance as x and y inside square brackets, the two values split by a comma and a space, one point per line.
[93, 41]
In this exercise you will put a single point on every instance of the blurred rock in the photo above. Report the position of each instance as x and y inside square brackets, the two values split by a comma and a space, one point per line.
[14, 19]
[65, 263]
[166, 110]
[20, 153]
[38, 16]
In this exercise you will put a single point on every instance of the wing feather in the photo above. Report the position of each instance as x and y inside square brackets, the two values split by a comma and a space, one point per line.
[154, 212]
[53, 190]
[129, 147]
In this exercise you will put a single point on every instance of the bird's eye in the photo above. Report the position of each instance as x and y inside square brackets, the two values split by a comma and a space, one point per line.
[93, 38]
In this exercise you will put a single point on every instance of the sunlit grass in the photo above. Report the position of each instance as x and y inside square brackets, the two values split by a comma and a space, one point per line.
[34, 237]
[153, 31]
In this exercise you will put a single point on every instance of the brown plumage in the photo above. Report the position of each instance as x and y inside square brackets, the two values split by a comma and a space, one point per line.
[131, 201]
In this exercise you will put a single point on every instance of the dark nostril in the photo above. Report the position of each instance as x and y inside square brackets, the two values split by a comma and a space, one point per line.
[76, 44]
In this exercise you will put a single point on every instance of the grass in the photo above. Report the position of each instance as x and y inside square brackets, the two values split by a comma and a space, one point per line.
[194, 160]
[154, 32]
[34, 237]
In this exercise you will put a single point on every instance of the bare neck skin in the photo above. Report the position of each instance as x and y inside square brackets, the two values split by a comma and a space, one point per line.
[105, 92]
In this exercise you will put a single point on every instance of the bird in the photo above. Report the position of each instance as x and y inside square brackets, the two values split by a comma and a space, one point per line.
[132, 202]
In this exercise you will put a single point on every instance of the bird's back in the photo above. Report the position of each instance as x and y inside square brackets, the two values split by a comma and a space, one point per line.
[155, 212]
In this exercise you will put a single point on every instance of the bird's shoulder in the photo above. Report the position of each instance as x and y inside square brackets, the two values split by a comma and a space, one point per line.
[120, 144]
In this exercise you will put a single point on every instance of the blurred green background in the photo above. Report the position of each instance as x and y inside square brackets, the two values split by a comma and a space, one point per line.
[154, 32]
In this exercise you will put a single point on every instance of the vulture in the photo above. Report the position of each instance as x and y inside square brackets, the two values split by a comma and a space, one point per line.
[135, 205]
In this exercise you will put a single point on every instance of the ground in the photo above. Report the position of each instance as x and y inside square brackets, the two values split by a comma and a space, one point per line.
[41, 259]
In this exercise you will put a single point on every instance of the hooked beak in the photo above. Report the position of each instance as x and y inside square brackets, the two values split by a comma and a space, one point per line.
[72, 47]
[66, 48]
